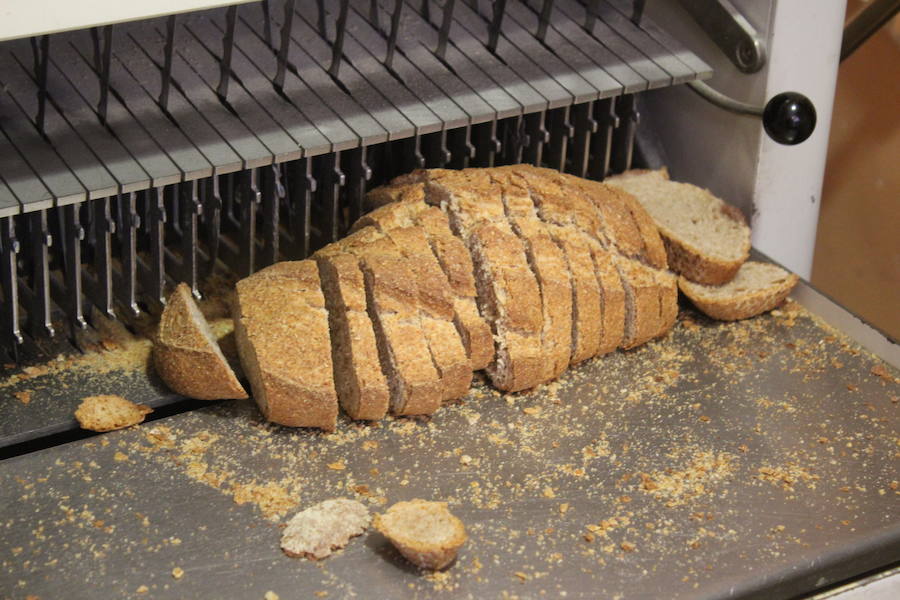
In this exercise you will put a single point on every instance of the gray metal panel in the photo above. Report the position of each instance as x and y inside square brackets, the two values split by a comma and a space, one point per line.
[139, 61]
[201, 46]
[419, 97]
[144, 111]
[203, 99]
[367, 97]
[585, 65]
[679, 72]
[725, 460]
[313, 74]
[678, 49]
[41, 158]
[335, 134]
[8, 204]
[18, 175]
[361, 45]
[78, 159]
[468, 58]
[251, 50]
[153, 160]
[603, 33]
[82, 118]
[570, 31]
[470, 36]
[525, 54]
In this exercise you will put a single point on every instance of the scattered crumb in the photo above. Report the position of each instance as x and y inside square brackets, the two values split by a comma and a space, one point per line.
[177, 572]
[270, 595]
[23, 396]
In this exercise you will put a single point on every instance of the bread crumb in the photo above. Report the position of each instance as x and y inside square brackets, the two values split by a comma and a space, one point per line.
[270, 595]
[120, 456]
[521, 575]
[563, 508]
[549, 493]
[531, 410]
[320, 529]
[627, 547]
[337, 466]
[24, 396]
[177, 572]
[107, 413]
[143, 589]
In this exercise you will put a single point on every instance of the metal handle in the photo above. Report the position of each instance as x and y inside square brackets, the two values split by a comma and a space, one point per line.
[789, 117]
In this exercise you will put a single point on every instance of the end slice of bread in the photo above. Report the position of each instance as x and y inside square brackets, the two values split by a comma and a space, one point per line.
[757, 288]
[186, 354]
[107, 413]
[706, 239]
[426, 533]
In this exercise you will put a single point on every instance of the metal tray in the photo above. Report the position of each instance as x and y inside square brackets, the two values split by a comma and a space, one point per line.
[751, 459]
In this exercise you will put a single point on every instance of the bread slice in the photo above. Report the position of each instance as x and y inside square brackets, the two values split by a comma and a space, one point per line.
[437, 311]
[403, 349]
[508, 294]
[409, 210]
[612, 298]
[281, 328]
[643, 319]
[321, 529]
[424, 281]
[706, 239]
[612, 201]
[425, 533]
[186, 354]
[361, 386]
[757, 288]
[668, 300]
[551, 270]
[107, 413]
[572, 222]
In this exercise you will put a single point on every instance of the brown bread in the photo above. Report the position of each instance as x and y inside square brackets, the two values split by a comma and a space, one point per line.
[281, 329]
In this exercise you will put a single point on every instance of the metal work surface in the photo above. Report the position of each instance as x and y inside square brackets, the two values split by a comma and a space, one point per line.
[755, 458]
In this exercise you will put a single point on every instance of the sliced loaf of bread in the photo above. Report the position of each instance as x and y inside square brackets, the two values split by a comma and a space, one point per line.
[186, 354]
[281, 329]
[706, 239]
[757, 288]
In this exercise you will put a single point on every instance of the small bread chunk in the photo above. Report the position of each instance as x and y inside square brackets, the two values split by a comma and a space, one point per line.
[107, 413]
[323, 528]
[757, 288]
[186, 354]
[424, 532]
[706, 239]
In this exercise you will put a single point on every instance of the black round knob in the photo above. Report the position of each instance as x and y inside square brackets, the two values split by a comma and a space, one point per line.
[789, 118]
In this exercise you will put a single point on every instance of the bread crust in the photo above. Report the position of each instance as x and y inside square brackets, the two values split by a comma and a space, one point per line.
[186, 359]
